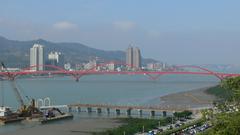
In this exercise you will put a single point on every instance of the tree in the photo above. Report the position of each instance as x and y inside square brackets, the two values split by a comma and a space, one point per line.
[225, 124]
[233, 85]
[184, 114]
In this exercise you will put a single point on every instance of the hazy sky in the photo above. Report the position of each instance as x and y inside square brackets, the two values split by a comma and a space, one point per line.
[174, 31]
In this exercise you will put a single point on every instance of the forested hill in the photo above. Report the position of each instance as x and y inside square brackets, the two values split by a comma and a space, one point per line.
[16, 53]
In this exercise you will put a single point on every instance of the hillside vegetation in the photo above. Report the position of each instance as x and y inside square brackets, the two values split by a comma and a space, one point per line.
[226, 117]
[16, 53]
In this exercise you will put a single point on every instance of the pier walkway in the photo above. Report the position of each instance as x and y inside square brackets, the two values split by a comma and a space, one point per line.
[121, 108]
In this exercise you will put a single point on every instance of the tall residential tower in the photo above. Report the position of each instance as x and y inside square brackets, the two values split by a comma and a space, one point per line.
[136, 57]
[129, 56]
[133, 57]
[37, 57]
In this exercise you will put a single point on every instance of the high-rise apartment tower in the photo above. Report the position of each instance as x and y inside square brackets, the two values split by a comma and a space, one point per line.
[133, 57]
[37, 57]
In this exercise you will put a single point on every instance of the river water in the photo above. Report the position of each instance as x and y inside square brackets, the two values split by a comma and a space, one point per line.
[102, 89]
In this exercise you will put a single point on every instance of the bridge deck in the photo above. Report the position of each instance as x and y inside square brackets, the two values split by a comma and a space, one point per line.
[145, 108]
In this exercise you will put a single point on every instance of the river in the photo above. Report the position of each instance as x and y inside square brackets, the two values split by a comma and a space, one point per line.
[107, 89]
[101, 89]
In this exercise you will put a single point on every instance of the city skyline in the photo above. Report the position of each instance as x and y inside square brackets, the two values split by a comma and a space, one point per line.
[176, 32]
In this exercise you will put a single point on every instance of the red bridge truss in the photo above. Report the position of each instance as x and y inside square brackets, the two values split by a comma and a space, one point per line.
[129, 70]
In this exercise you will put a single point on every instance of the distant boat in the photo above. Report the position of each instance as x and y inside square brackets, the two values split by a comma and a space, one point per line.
[7, 116]
[54, 114]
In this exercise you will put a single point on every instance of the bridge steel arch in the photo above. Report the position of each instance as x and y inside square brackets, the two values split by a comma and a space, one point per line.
[59, 70]
[153, 75]
[49, 66]
[127, 65]
[27, 71]
[203, 69]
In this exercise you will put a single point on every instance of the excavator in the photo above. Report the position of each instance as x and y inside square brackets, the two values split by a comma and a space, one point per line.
[25, 111]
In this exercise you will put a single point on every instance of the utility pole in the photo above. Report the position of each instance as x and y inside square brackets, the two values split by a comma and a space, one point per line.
[2, 87]
[2, 92]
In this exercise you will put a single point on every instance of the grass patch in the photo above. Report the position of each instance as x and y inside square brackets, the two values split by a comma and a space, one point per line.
[219, 92]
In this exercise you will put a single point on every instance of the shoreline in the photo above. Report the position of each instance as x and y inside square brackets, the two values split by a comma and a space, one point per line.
[80, 127]
[192, 99]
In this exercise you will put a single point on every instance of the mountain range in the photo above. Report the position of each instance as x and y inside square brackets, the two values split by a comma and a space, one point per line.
[16, 53]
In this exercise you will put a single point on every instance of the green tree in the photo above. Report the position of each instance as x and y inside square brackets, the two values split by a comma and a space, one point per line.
[233, 85]
[184, 114]
[225, 124]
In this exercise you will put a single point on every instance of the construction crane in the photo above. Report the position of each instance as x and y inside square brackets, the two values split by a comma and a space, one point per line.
[24, 111]
[14, 85]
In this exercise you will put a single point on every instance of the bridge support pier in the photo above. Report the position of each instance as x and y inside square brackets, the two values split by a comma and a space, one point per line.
[69, 109]
[108, 111]
[164, 114]
[99, 110]
[152, 113]
[78, 109]
[129, 112]
[118, 111]
[140, 112]
[89, 109]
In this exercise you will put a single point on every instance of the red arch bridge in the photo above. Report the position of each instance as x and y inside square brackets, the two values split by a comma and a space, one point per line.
[100, 69]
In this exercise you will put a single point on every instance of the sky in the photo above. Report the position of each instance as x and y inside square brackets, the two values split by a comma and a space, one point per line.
[173, 31]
